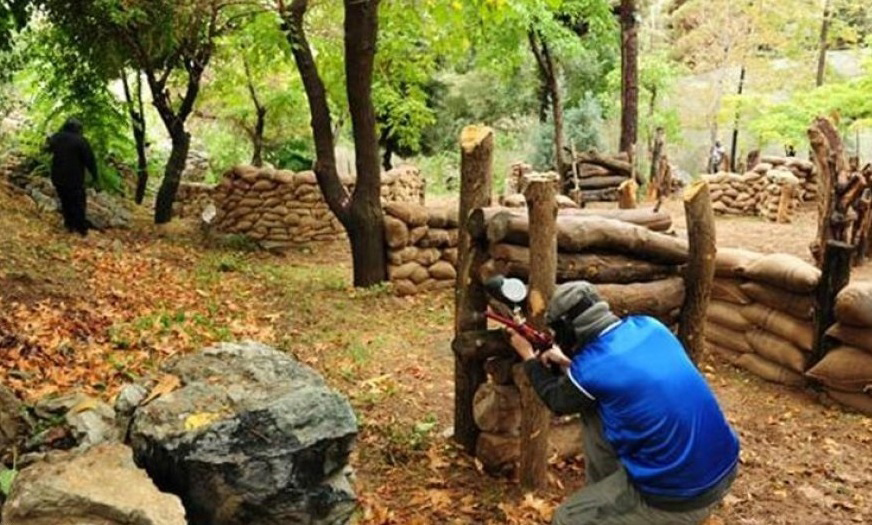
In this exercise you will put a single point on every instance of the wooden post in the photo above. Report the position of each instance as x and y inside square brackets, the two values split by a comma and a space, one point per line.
[627, 194]
[476, 183]
[784, 203]
[830, 162]
[541, 197]
[835, 275]
[700, 272]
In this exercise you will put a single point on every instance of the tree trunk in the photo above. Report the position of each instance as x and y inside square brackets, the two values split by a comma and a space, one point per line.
[657, 298]
[629, 75]
[735, 147]
[822, 49]
[137, 121]
[541, 195]
[784, 202]
[656, 152]
[366, 218]
[163, 208]
[548, 70]
[260, 123]
[361, 213]
[476, 179]
[835, 275]
[700, 271]
[257, 138]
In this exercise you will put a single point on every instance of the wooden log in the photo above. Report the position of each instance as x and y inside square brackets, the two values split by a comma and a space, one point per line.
[627, 194]
[624, 168]
[541, 195]
[655, 221]
[656, 298]
[603, 195]
[700, 272]
[583, 234]
[835, 275]
[598, 183]
[514, 261]
[784, 203]
[479, 345]
[476, 183]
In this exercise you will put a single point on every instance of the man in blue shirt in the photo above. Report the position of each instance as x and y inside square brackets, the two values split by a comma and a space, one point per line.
[658, 449]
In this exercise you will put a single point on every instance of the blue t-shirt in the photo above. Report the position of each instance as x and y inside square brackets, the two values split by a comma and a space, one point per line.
[657, 410]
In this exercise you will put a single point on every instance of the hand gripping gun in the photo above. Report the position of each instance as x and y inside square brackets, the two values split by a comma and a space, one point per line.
[511, 293]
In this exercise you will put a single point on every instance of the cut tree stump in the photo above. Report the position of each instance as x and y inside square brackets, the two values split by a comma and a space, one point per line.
[700, 271]
[476, 187]
[541, 195]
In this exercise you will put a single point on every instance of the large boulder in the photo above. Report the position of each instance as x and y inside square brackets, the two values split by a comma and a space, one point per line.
[100, 486]
[251, 437]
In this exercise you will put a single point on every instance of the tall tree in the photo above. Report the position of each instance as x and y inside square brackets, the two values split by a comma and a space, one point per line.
[171, 42]
[136, 112]
[360, 213]
[822, 51]
[547, 67]
[629, 75]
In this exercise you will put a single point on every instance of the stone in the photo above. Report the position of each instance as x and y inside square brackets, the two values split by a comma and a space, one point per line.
[129, 397]
[13, 425]
[92, 422]
[100, 486]
[251, 437]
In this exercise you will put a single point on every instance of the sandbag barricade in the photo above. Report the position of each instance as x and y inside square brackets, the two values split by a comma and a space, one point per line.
[846, 370]
[280, 208]
[760, 314]
[422, 247]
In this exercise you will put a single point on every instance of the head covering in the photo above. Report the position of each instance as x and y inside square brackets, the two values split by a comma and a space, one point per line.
[72, 125]
[582, 308]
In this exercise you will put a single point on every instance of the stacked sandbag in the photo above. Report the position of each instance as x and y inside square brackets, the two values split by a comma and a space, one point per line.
[734, 194]
[781, 184]
[803, 170]
[422, 247]
[636, 269]
[760, 313]
[846, 371]
[403, 184]
[276, 208]
[192, 198]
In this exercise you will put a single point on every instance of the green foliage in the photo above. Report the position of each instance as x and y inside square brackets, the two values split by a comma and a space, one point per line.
[581, 124]
[848, 103]
[295, 154]
[7, 478]
[58, 84]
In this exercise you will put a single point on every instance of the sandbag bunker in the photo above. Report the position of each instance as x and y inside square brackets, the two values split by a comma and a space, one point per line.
[760, 319]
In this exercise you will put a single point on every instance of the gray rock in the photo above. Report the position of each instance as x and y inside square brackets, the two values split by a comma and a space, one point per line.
[129, 398]
[100, 486]
[90, 420]
[252, 437]
[13, 424]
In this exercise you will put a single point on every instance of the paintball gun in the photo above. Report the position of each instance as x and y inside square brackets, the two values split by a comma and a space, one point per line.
[511, 293]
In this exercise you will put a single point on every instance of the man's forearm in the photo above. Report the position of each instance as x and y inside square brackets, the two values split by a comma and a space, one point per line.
[556, 391]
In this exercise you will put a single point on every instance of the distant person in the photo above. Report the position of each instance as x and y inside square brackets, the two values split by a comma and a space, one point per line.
[716, 157]
[790, 151]
[71, 155]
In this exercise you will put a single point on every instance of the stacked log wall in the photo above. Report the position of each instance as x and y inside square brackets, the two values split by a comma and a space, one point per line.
[636, 269]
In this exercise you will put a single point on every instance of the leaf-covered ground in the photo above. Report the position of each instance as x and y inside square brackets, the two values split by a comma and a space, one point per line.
[93, 313]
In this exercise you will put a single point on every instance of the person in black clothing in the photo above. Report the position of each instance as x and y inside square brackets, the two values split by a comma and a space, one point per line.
[71, 155]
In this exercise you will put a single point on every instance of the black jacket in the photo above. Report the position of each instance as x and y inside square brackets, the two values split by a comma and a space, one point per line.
[71, 155]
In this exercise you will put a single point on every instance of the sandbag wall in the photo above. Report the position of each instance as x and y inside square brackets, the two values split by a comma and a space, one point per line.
[755, 193]
[846, 369]
[192, 198]
[760, 314]
[803, 170]
[638, 270]
[422, 247]
[276, 208]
